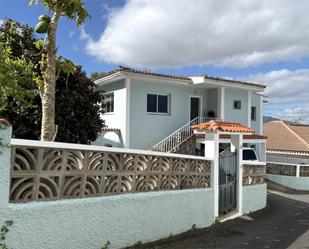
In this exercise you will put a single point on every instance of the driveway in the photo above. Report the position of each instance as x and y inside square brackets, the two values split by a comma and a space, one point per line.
[284, 223]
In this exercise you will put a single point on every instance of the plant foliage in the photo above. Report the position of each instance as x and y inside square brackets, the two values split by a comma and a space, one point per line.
[77, 99]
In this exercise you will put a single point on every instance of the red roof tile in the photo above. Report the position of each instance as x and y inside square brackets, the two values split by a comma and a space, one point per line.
[223, 126]
[287, 137]
[227, 136]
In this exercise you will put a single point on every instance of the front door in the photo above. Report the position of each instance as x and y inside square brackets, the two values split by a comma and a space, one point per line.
[194, 107]
[227, 181]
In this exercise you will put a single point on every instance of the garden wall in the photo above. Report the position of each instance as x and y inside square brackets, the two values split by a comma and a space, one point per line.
[123, 220]
[254, 197]
[49, 219]
[299, 183]
[292, 175]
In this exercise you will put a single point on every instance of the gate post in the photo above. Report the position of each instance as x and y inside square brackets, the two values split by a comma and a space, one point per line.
[5, 159]
[237, 145]
[212, 152]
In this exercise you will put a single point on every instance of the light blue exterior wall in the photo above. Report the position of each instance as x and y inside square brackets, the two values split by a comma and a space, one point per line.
[299, 183]
[254, 197]
[123, 220]
[256, 101]
[212, 101]
[145, 130]
[231, 114]
[148, 129]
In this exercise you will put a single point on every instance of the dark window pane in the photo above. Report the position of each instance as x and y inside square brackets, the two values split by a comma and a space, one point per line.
[163, 104]
[253, 113]
[249, 155]
[151, 103]
[237, 104]
[108, 103]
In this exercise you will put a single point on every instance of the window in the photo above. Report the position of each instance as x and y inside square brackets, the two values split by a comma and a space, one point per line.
[108, 103]
[253, 113]
[237, 104]
[249, 155]
[157, 103]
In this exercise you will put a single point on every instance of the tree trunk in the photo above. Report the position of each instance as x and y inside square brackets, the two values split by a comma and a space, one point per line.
[49, 77]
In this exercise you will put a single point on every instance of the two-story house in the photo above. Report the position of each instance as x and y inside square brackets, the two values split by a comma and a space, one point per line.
[143, 108]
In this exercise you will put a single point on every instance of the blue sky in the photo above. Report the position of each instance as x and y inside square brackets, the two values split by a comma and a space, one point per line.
[258, 40]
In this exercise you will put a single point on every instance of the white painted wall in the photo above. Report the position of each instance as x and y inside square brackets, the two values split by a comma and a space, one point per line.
[118, 118]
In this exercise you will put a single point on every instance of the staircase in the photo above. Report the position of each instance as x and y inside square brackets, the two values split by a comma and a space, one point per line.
[177, 138]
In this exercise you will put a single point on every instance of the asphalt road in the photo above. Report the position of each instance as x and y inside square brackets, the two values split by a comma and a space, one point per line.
[284, 223]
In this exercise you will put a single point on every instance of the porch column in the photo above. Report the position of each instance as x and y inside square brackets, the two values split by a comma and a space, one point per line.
[212, 153]
[237, 145]
[128, 111]
[249, 109]
[221, 103]
[263, 152]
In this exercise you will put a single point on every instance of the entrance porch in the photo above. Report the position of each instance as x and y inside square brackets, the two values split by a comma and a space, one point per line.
[224, 142]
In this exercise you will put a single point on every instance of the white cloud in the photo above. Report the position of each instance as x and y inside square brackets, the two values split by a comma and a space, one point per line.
[288, 93]
[297, 114]
[218, 32]
[83, 34]
[72, 33]
[285, 86]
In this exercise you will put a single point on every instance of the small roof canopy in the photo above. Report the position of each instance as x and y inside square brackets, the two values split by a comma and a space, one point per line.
[222, 127]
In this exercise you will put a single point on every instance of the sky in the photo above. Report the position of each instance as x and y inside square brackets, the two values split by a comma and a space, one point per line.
[263, 41]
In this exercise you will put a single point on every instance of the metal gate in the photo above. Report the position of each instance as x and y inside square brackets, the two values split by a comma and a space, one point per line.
[227, 181]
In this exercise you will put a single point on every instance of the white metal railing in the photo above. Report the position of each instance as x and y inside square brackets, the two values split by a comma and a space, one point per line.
[288, 169]
[172, 142]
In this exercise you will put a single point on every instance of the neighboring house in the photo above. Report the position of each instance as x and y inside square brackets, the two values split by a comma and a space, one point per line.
[287, 141]
[147, 107]
[288, 153]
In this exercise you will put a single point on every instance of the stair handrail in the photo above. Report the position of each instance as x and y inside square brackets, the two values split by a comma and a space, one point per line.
[185, 128]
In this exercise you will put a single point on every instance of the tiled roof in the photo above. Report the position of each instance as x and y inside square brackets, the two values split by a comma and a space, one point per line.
[171, 76]
[287, 137]
[223, 126]
[4, 122]
[227, 136]
[110, 129]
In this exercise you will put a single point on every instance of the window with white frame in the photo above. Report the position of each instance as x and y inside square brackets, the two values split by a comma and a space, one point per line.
[253, 113]
[108, 102]
[237, 104]
[158, 103]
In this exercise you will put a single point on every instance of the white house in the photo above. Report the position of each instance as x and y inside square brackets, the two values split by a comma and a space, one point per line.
[146, 107]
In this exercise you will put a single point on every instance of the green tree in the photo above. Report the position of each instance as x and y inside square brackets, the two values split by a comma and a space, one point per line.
[74, 10]
[14, 70]
[96, 75]
[77, 99]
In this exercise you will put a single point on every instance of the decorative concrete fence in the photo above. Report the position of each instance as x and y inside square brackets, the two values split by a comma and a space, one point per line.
[80, 196]
[294, 176]
[51, 171]
[253, 174]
